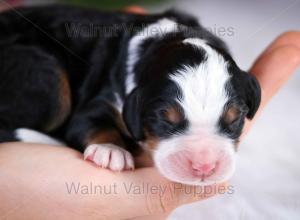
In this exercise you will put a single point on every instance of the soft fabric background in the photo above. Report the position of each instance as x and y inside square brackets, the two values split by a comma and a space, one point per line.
[267, 181]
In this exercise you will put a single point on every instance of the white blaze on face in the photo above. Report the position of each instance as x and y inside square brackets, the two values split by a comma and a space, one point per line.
[203, 87]
[200, 156]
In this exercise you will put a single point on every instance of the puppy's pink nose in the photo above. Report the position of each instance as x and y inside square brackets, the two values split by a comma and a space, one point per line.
[204, 169]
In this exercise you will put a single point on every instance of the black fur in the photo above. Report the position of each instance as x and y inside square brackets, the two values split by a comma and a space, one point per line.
[36, 46]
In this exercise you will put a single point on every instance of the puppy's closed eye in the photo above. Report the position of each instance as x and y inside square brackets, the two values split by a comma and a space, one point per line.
[173, 115]
[231, 114]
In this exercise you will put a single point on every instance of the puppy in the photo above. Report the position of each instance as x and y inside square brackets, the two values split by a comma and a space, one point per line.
[161, 83]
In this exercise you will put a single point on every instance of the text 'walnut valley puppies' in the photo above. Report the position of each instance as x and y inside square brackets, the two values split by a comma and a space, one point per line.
[161, 83]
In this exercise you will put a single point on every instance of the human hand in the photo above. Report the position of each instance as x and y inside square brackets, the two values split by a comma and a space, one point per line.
[33, 177]
[36, 181]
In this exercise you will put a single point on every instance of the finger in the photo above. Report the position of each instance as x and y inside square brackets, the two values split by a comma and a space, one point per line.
[277, 63]
[272, 70]
[290, 38]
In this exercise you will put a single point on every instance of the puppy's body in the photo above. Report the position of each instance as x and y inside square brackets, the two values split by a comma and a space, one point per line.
[42, 41]
[160, 80]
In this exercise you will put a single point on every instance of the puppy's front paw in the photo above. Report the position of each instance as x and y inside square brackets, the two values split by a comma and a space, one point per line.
[109, 156]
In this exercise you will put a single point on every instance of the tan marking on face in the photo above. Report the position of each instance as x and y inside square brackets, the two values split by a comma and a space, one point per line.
[173, 115]
[231, 114]
[64, 102]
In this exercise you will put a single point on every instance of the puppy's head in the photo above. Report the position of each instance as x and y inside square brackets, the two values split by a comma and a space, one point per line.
[190, 117]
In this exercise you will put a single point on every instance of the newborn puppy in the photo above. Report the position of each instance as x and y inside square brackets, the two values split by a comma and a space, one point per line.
[161, 83]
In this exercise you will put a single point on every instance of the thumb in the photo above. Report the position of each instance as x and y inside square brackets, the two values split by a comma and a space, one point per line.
[277, 63]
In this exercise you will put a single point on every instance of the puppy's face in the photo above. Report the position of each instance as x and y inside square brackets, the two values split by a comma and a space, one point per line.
[191, 118]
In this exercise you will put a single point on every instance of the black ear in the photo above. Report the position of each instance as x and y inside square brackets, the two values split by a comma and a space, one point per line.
[252, 93]
[182, 18]
[132, 114]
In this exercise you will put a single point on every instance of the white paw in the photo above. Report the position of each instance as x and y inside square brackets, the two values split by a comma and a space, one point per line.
[109, 156]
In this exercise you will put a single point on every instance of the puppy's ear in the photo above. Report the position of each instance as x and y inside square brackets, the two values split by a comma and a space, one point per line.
[252, 93]
[182, 18]
[132, 114]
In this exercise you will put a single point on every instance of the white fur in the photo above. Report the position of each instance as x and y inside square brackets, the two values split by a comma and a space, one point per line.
[109, 156]
[158, 29]
[32, 136]
[203, 99]
[176, 144]
[203, 88]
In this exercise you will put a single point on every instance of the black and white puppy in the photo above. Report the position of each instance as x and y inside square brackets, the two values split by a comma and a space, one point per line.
[160, 82]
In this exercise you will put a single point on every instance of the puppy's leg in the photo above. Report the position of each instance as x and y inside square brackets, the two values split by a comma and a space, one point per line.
[96, 128]
[34, 94]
